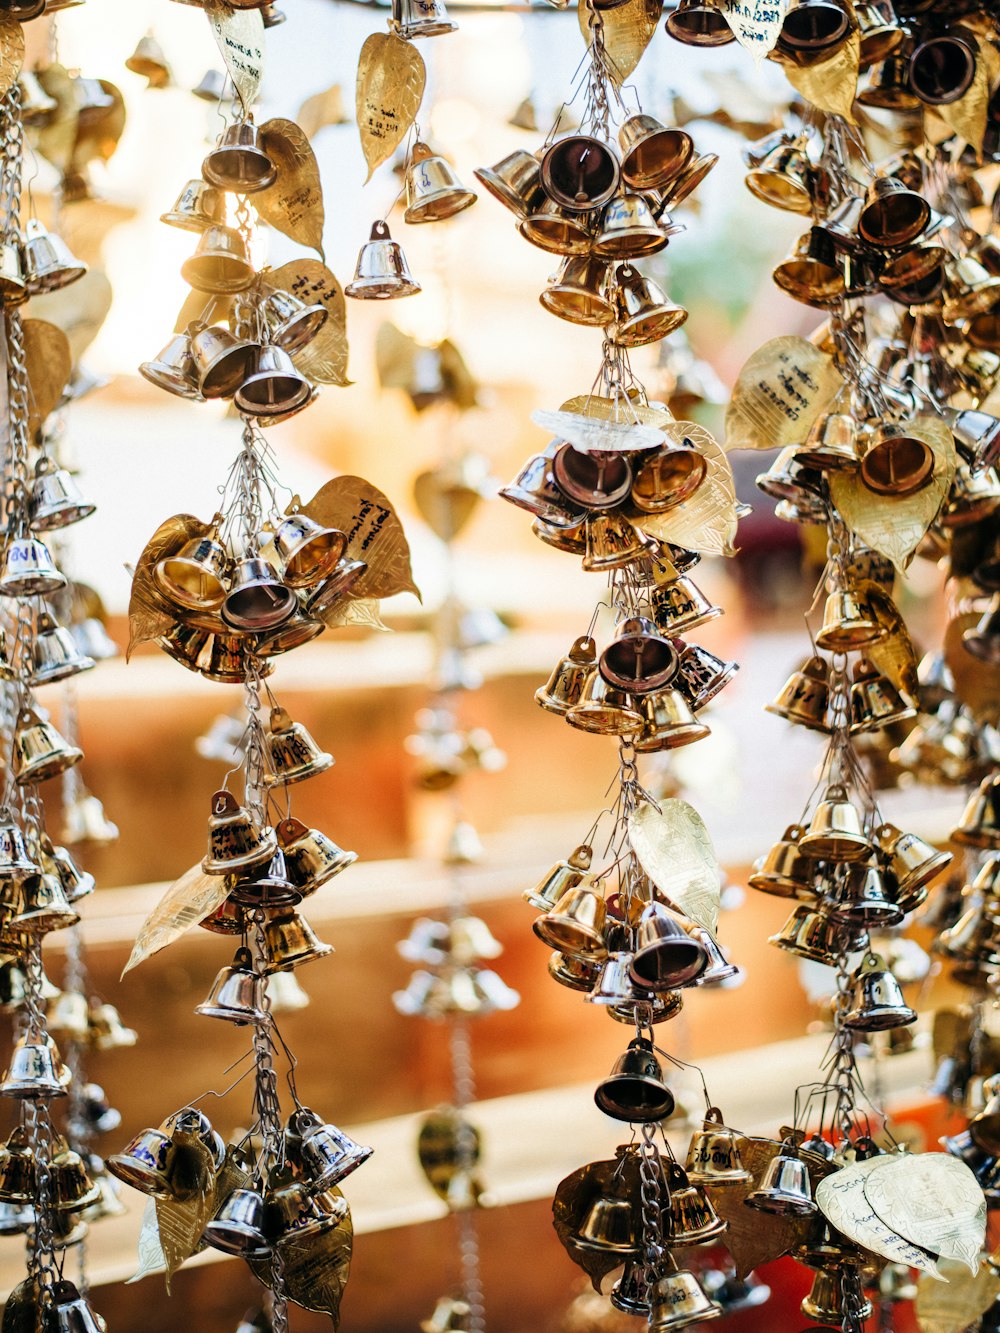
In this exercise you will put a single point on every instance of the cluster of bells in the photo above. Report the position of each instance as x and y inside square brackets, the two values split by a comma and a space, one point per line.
[450, 981]
[972, 940]
[244, 345]
[634, 971]
[294, 1206]
[446, 752]
[581, 198]
[266, 602]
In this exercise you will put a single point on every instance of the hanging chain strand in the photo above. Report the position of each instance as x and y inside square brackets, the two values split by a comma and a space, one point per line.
[464, 1093]
[651, 1194]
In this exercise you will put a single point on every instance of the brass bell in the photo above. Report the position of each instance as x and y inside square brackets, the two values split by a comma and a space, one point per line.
[864, 898]
[614, 986]
[575, 924]
[878, 999]
[291, 942]
[195, 576]
[604, 710]
[983, 639]
[805, 696]
[148, 59]
[699, 23]
[875, 701]
[681, 605]
[668, 722]
[677, 1300]
[554, 228]
[198, 206]
[639, 660]
[814, 935]
[847, 624]
[17, 1169]
[33, 1073]
[835, 832]
[56, 501]
[628, 229]
[286, 994]
[75, 883]
[812, 273]
[783, 178]
[108, 1032]
[237, 994]
[311, 858]
[37, 107]
[812, 27]
[15, 860]
[28, 569]
[421, 18]
[893, 215]
[257, 599]
[831, 444]
[943, 66]
[634, 1091]
[143, 1164]
[70, 1312]
[40, 752]
[826, 1298]
[608, 1226]
[238, 1226]
[894, 462]
[714, 1155]
[234, 840]
[220, 263]
[535, 489]
[563, 876]
[912, 861]
[652, 154]
[292, 324]
[265, 885]
[666, 957]
[578, 292]
[274, 386]
[978, 432]
[974, 496]
[580, 172]
[330, 1156]
[693, 1219]
[239, 163]
[630, 1292]
[71, 1185]
[67, 1016]
[382, 272]
[48, 263]
[701, 676]
[785, 1189]
[668, 476]
[789, 480]
[720, 971]
[55, 655]
[433, 190]
[324, 599]
[612, 543]
[172, 369]
[980, 826]
[515, 181]
[565, 686]
[292, 753]
[643, 312]
[591, 480]
[879, 31]
[220, 361]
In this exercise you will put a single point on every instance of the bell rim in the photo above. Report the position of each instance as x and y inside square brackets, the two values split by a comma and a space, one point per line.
[382, 289]
[51, 675]
[619, 1111]
[456, 199]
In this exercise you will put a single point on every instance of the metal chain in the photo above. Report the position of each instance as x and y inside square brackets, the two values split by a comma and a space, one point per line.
[464, 1094]
[652, 1191]
[12, 132]
[38, 1123]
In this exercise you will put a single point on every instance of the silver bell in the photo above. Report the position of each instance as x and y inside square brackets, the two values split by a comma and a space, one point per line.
[237, 994]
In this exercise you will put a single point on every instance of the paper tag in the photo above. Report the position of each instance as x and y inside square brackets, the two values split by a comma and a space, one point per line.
[756, 24]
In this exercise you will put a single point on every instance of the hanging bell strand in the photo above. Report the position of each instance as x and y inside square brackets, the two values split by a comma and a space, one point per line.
[38, 1123]
[651, 1190]
[464, 1093]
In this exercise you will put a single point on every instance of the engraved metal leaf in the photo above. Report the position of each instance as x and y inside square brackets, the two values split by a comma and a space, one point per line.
[754, 1238]
[150, 1251]
[50, 364]
[831, 84]
[843, 1202]
[362, 613]
[182, 1221]
[294, 203]
[755, 23]
[316, 1271]
[707, 521]
[675, 851]
[98, 139]
[447, 1145]
[11, 51]
[628, 30]
[325, 108]
[239, 34]
[374, 534]
[977, 683]
[608, 409]
[324, 359]
[390, 88]
[933, 1200]
[893, 525]
[779, 393]
[149, 615]
[444, 506]
[894, 655]
[967, 115]
[955, 1305]
[188, 901]
[573, 1198]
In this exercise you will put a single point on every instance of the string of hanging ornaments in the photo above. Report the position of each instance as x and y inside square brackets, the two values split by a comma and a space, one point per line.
[225, 598]
[53, 1183]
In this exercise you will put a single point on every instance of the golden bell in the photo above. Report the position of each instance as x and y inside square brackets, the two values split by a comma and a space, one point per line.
[805, 696]
[831, 444]
[257, 599]
[785, 1189]
[667, 722]
[677, 1300]
[55, 655]
[515, 181]
[220, 263]
[893, 215]
[783, 178]
[977, 432]
[433, 190]
[199, 205]
[878, 999]
[788, 480]
[34, 1070]
[172, 369]
[221, 361]
[608, 1226]
[980, 826]
[681, 605]
[812, 27]
[48, 262]
[563, 876]
[972, 289]
[291, 942]
[638, 659]
[693, 1219]
[274, 387]
[786, 872]
[812, 273]
[28, 569]
[421, 18]
[983, 640]
[382, 272]
[13, 289]
[666, 956]
[17, 1169]
[292, 753]
[149, 60]
[15, 860]
[144, 1164]
[578, 292]
[44, 906]
[974, 496]
[643, 312]
[71, 1185]
[535, 489]
[652, 154]
[40, 752]
[628, 229]
[699, 23]
[714, 1154]
[863, 896]
[875, 701]
[879, 31]
[835, 832]
[234, 840]
[604, 710]
[612, 543]
[668, 476]
[580, 172]
[554, 228]
[237, 994]
[308, 551]
[591, 480]
[239, 163]
[575, 925]
[565, 686]
[826, 1299]
[194, 577]
[943, 66]
[292, 324]
[847, 625]
[912, 862]
[635, 1090]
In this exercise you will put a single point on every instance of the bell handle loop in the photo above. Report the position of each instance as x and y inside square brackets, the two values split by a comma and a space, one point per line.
[713, 1116]
[584, 648]
[380, 230]
[243, 958]
[420, 152]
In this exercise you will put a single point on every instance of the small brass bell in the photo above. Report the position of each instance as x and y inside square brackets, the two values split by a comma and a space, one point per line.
[515, 181]
[875, 701]
[639, 660]
[234, 840]
[608, 1226]
[71, 1185]
[220, 263]
[847, 624]
[878, 999]
[238, 1226]
[534, 489]
[701, 676]
[28, 569]
[257, 599]
[148, 59]
[55, 655]
[666, 957]
[812, 273]
[172, 369]
[668, 476]
[565, 686]
[783, 178]
[912, 861]
[37, 107]
[220, 361]
[199, 205]
[879, 31]
[554, 228]
[34, 1071]
[17, 1169]
[634, 1090]
[239, 162]
[195, 576]
[643, 312]
[693, 1219]
[667, 722]
[237, 994]
[974, 496]
[894, 462]
[575, 924]
[290, 323]
[864, 896]
[785, 872]
[831, 444]
[382, 272]
[893, 215]
[292, 753]
[652, 154]
[330, 1156]
[628, 229]
[311, 858]
[40, 752]
[70, 1312]
[143, 1164]
[680, 605]
[325, 597]
[433, 190]
[826, 1299]
[48, 263]
[943, 66]
[678, 1300]
[812, 934]
[805, 696]
[630, 1292]
[421, 18]
[835, 832]
[714, 1155]
[604, 710]
[612, 542]
[812, 27]
[591, 480]
[699, 23]
[578, 292]
[563, 876]
[56, 501]
[291, 942]
[784, 1189]
[15, 860]
[980, 826]
[264, 885]
[580, 172]
[983, 639]
[274, 387]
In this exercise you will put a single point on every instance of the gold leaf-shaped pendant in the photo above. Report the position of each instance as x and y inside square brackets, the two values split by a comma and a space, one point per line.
[706, 521]
[374, 534]
[831, 85]
[573, 1198]
[239, 34]
[779, 393]
[956, 1304]
[675, 851]
[11, 51]
[628, 30]
[149, 615]
[293, 205]
[188, 901]
[79, 309]
[316, 1270]
[50, 363]
[324, 359]
[325, 108]
[390, 88]
[977, 683]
